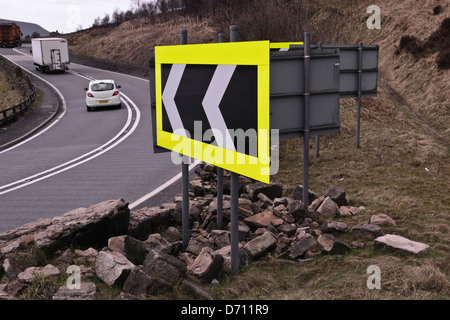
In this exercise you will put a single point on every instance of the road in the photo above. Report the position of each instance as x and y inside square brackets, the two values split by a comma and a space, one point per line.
[83, 158]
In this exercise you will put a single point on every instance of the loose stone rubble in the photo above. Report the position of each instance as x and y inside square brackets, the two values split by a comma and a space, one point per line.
[141, 252]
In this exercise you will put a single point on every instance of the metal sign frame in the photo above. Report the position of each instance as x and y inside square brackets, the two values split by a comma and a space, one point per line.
[221, 54]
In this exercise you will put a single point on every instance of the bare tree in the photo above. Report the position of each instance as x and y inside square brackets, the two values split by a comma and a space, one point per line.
[106, 20]
[117, 16]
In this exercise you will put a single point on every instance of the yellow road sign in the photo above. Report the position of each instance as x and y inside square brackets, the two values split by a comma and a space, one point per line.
[212, 104]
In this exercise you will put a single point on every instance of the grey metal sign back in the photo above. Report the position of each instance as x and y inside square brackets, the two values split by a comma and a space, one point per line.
[349, 67]
[287, 92]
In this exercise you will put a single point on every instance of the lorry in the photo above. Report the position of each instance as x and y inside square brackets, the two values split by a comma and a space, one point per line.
[50, 54]
[10, 35]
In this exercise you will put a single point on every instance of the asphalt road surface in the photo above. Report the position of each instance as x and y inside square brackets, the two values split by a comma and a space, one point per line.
[82, 158]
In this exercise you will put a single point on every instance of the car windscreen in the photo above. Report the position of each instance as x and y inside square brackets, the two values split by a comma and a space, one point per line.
[102, 86]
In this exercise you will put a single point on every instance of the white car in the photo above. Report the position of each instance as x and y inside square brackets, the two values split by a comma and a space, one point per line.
[102, 93]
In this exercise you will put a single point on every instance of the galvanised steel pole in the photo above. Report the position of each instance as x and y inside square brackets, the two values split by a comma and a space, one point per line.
[358, 110]
[185, 177]
[234, 195]
[307, 61]
[220, 176]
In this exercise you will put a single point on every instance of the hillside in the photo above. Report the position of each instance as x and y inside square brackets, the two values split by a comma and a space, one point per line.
[402, 167]
[28, 28]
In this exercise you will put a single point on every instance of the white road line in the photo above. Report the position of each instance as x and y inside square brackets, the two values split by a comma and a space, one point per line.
[135, 203]
[77, 161]
[141, 200]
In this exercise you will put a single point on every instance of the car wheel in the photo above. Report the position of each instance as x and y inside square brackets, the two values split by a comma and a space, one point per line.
[89, 109]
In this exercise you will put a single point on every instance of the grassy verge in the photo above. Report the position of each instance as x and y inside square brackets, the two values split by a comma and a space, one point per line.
[401, 171]
[8, 96]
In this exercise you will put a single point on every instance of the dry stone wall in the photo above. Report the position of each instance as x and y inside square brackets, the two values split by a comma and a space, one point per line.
[140, 251]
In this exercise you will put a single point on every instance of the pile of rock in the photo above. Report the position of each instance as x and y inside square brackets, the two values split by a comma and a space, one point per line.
[141, 253]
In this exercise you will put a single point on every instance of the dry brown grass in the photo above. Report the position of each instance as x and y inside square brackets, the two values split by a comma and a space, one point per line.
[8, 96]
[134, 46]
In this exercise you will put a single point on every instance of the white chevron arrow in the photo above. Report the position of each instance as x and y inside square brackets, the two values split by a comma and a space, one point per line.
[211, 101]
[168, 97]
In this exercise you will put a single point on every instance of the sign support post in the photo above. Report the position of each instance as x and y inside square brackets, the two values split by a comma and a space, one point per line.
[358, 111]
[185, 175]
[307, 60]
[234, 195]
[220, 175]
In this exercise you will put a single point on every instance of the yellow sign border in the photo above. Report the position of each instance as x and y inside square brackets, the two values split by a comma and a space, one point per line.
[283, 45]
[256, 53]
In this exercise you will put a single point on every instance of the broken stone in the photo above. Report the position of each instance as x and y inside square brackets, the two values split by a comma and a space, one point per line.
[300, 246]
[287, 228]
[164, 266]
[197, 243]
[280, 201]
[207, 265]
[29, 274]
[394, 242]
[381, 219]
[315, 204]
[195, 291]
[327, 210]
[273, 190]
[244, 208]
[196, 186]
[264, 219]
[280, 210]
[144, 222]
[141, 283]
[351, 211]
[89, 255]
[365, 231]
[333, 226]
[133, 249]
[66, 257]
[296, 208]
[25, 241]
[297, 194]
[337, 195]
[86, 291]
[112, 267]
[331, 245]
[225, 252]
[265, 199]
[4, 296]
[243, 232]
[221, 238]
[261, 245]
